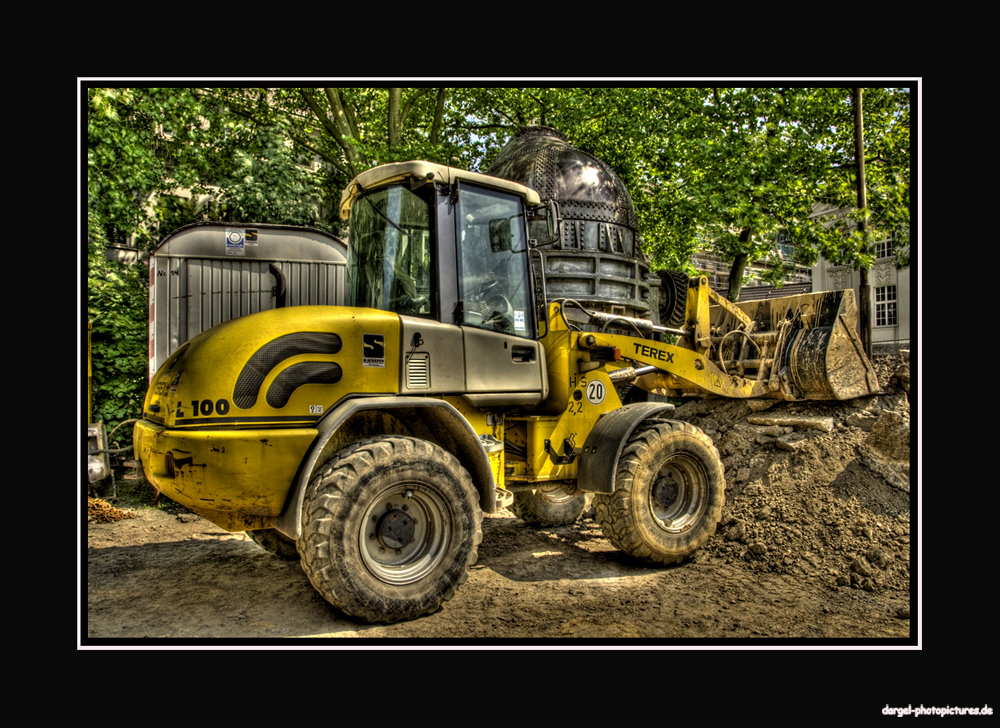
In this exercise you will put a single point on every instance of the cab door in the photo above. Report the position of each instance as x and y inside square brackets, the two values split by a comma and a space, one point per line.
[504, 364]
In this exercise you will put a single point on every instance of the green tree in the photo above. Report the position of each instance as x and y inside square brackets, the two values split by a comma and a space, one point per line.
[634, 130]
[749, 162]
[139, 145]
[887, 170]
[640, 132]
[717, 168]
[721, 169]
[267, 182]
[349, 129]
[142, 143]
[116, 308]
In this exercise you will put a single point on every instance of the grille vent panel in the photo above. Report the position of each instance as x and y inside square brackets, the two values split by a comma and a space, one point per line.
[418, 371]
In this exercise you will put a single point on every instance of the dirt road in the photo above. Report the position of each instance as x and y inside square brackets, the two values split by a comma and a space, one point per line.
[163, 575]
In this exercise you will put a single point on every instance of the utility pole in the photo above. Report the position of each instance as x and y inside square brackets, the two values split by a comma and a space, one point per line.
[864, 304]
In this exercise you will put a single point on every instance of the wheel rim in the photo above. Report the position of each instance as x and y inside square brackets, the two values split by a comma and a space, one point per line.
[677, 497]
[554, 494]
[406, 533]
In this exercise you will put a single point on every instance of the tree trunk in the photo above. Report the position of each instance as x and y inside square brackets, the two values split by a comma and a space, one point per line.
[738, 268]
[736, 277]
[395, 119]
[438, 117]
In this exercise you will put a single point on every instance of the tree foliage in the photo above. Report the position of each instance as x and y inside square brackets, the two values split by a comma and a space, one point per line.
[348, 129]
[139, 145]
[886, 117]
[722, 169]
[116, 310]
[142, 143]
[158, 159]
[718, 167]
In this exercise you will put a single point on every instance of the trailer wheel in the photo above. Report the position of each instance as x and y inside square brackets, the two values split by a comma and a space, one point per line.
[275, 542]
[549, 505]
[668, 496]
[390, 528]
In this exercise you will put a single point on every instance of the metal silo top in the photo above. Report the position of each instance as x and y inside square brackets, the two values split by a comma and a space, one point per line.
[597, 259]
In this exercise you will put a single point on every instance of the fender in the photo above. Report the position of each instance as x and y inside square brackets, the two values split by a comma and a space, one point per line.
[443, 424]
[604, 445]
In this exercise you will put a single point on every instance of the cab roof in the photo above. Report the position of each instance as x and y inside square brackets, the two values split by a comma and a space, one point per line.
[399, 171]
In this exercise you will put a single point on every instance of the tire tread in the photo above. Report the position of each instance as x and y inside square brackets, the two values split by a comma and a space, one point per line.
[615, 510]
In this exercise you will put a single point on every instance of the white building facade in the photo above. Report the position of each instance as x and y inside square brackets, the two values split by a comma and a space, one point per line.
[890, 295]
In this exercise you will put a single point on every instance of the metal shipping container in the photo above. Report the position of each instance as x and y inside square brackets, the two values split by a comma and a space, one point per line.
[204, 274]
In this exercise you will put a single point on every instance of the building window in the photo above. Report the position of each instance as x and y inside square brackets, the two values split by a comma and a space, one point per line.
[884, 249]
[885, 305]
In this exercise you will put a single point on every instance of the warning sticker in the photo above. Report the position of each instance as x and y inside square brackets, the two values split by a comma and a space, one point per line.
[519, 320]
[373, 350]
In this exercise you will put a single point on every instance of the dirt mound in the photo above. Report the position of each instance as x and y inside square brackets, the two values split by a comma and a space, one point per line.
[817, 489]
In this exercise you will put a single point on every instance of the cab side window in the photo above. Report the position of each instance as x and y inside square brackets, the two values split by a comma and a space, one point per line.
[493, 261]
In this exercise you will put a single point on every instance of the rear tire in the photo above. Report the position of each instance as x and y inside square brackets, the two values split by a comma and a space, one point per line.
[549, 505]
[390, 528]
[669, 493]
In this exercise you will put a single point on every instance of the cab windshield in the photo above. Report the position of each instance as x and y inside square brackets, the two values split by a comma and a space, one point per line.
[389, 254]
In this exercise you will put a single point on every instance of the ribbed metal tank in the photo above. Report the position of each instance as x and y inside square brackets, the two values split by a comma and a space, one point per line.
[597, 259]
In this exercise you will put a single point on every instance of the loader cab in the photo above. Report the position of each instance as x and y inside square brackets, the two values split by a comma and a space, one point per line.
[448, 251]
[443, 244]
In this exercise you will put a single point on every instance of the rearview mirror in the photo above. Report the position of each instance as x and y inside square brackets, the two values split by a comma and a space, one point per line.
[544, 224]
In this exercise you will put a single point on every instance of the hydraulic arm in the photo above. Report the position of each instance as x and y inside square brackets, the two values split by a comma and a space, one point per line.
[797, 347]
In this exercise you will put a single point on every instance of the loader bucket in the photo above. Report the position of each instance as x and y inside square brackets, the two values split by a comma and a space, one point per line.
[797, 347]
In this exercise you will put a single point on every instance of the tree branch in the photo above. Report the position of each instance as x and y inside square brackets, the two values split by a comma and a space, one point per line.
[337, 127]
[327, 157]
[342, 113]
[407, 106]
[320, 113]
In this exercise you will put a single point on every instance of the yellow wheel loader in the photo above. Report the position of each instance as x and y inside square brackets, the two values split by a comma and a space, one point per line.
[369, 439]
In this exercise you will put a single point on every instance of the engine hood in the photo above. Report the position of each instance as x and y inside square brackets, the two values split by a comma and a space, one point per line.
[285, 366]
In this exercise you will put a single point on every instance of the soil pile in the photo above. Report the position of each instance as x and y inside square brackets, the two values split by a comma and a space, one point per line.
[817, 489]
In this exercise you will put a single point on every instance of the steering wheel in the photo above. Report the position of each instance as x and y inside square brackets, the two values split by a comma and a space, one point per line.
[501, 312]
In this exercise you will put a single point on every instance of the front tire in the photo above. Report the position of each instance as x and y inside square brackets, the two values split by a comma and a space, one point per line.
[669, 493]
[390, 528]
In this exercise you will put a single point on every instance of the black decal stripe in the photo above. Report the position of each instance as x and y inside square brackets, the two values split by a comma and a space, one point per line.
[307, 372]
[246, 421]
[273, 353]
[286, 421]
